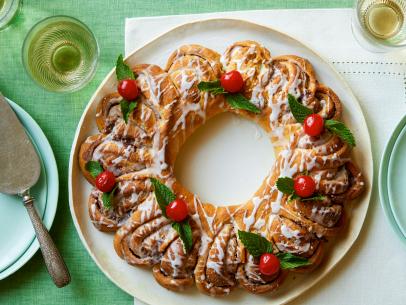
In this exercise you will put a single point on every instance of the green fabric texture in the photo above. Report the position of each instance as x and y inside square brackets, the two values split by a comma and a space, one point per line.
[58, 116]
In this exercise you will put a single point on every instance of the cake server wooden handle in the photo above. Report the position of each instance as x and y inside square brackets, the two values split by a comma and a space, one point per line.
[53, 259]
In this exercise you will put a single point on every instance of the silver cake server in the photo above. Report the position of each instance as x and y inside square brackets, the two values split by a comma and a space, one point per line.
[19, 171]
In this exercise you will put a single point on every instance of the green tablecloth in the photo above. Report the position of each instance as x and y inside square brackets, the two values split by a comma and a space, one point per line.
[58, 115]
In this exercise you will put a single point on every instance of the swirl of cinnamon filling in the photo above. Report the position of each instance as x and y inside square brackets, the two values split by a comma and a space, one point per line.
[140, 143]
[295, 75]
[148, 238]
[175, 271]
[251, 279]
[326, 103]
[257, 217]
[145, 235]
[113, 155]
[253, 61]
[291, 75]
[216, 269]
[319, 216]
[325, 151]
[187, 67]
[132, 189]
[157, 96]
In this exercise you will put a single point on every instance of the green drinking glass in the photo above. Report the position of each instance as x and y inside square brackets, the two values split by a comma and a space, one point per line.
[60, 53]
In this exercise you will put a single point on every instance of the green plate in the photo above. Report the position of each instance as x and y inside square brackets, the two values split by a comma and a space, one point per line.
[17, 237]
[392, 179]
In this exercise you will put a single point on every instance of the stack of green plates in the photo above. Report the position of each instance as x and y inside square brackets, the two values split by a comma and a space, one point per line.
[392, 180]
[17, 238]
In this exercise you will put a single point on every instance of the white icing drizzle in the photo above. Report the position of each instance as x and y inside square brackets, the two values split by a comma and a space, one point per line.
[249, 220]
[288, 233]
[271, 91]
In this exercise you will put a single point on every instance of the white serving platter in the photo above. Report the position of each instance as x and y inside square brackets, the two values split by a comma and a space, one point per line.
[217, 34]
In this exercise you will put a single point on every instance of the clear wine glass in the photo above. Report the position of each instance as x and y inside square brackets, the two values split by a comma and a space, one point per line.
[379, 25]
[60, 53]
[8, 10]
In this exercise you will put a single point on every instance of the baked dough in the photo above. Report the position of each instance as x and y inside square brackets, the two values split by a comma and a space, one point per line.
[170, 109]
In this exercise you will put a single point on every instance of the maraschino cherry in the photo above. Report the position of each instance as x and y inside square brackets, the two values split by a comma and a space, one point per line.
[128, 89]
[177, 210]
[105, 181]
[313, 125]
[304, 186]
[232, 81]
[269, 264]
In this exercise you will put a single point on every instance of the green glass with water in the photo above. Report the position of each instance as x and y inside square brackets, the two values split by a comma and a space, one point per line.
[60, 53]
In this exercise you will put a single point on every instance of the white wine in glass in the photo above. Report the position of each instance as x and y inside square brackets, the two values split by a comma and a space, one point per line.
[8, 10]
[60, 53]
[379, 25]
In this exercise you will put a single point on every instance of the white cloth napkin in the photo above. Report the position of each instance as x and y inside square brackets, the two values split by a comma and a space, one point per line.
[374, 270]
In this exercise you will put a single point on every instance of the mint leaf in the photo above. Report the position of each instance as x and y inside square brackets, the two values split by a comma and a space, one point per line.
[107, 198]
[185, 233]
[213, 87]
[294, 196]
[94, 168]
[285, 185]
[239, 101]
[290, 261]
[123, 71]
[255, 244]
[163, 194]
[299, 111]
[236, 100]
[341, 131]
[314, 198]
[126, 108]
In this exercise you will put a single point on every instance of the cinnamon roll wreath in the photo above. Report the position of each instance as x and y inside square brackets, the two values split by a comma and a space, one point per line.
[171, 107]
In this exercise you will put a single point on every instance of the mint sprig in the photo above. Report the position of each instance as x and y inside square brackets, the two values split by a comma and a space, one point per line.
[213, 87]
[300, 112]
[317, 197]
[164, 196]
[107, 198]
[239, 101]
[235, 100]
[285, 185]
[123, 71]
[341, 131]
[257, 245]
[185, 233]
[94, 168]
[290, 261]
[127, 108]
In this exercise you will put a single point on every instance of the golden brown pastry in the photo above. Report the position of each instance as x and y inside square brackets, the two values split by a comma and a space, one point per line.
[187, 67]
[253, 61]
[170, 108]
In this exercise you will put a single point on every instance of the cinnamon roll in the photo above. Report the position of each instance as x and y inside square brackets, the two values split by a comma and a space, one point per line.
[187, 67]
[253, 61]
